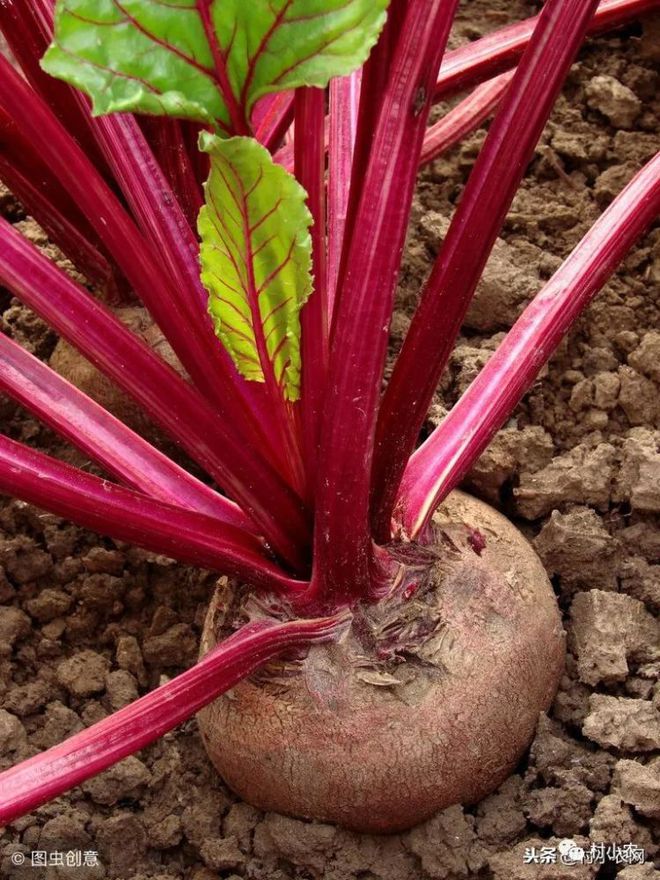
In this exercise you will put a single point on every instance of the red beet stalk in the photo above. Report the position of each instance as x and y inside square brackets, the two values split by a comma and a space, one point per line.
[500, 50]
[271, 119]
[477, 221]
[31, 192]
[105, 439]
[343, 556]
[314, 342]
[343, 116]
[373, 92]
[126, 515]
[44, 198]
[172, 402]
[464, 118]
[166, 139]
[440, 463]
[39, 779]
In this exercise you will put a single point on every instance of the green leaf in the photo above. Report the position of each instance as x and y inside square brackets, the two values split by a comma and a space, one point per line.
[206, 59]
[256, 260]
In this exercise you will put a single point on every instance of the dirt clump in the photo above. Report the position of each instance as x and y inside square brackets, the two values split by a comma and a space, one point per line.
[624, 723]
[614, 100]
[581, 476]
[639, 785]
[609, 633]
[578, 550]
[83, 674]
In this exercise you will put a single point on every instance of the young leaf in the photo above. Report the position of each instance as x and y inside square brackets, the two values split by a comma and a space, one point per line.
[256, 260]
[208, 60]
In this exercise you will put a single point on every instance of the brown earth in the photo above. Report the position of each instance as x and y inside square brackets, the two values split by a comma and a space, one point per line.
[87, 624]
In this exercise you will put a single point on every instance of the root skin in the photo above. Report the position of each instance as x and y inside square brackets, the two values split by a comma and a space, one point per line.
[425, 703]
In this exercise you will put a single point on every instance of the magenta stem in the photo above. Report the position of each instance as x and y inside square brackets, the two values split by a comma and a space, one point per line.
[126, 515]
[168, 301]
[162, 220]
[344, 106]
[28, 28]
[343, 556]
[45, 776]
[43, 196]
[477, 221]
[172, 402]
[105, 439]
[153, 204]
[464, 118]
[500, 50]
[165, 137]
[441, 462]
[373, 91]
[310, 173]
[272, 117]
[37, 123]
[285, 156]
[42, 200]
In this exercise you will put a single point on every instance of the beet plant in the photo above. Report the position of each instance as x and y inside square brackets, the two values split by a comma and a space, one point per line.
[387, 642]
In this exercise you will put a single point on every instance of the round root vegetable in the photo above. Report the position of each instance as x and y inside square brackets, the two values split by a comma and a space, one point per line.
[429, 700]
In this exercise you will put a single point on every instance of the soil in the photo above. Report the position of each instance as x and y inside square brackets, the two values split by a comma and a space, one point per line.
[87, 624]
